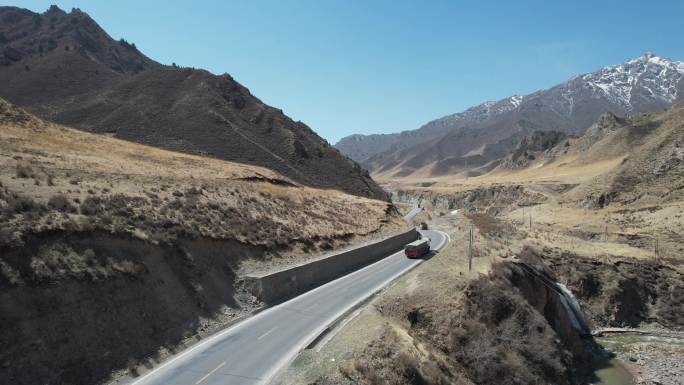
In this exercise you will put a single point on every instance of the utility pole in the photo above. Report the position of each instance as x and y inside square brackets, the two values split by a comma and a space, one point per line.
[470, 249]
[466, 168]
[656, 249]
[605, 234]
[530, 218]
[523, 216]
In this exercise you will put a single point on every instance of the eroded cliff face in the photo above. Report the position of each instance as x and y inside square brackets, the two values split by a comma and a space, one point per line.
[621, 293]
[493, 199]
[76, 307]
[541, 292]
[507, 327]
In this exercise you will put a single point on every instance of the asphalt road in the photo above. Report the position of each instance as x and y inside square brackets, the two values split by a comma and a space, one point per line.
[414, 211]
[253, 351]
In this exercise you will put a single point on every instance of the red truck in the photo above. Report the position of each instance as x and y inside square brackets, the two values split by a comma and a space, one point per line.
[417, 248]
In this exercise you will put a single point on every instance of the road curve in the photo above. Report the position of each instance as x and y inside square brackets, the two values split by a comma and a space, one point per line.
[414, 211]
[253, 351]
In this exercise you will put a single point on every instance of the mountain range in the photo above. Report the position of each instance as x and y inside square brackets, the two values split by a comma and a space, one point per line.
[64, 68]
[481, 135]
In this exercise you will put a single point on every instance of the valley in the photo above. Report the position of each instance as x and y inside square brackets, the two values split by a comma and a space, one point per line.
[161, 224]
[598, 213]
[619, 182]
[477, 140]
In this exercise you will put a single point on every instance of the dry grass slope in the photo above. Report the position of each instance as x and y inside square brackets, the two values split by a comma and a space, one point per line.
[84, 181]
[99, 234]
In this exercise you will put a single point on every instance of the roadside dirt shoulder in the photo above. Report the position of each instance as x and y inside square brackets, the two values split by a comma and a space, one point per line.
[373, 324]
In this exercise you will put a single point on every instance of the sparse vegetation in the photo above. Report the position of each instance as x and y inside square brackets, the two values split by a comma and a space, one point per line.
[160, 227]
[18, 203]
[61, 203]
[24, 171]
[91, 206]
[489, 334]
[155, 200]
[489, 225]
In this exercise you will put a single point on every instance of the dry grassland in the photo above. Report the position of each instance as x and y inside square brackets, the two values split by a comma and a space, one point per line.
[57, 178]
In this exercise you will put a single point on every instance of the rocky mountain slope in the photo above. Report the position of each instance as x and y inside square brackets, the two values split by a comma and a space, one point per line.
[642, 158]
[489, 131]
[97, 233]
[63, 67]
[529, 148]
[630, 160]
[651, 150]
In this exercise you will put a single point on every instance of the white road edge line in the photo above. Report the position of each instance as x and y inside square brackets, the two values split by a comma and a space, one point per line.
[210, 373]
[292, 354]
[244, 322]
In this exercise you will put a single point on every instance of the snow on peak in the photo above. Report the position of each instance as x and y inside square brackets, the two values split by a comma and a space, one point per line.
[516, 100]
[630, 85]
[649, 76]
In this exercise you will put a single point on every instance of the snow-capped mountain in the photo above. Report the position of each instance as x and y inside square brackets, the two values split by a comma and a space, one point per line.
[647, 83]
[648, 76]
[484, 111]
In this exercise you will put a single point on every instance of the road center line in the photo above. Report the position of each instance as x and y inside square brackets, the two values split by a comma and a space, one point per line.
[267, 333]
[210, 373]
[324, 291]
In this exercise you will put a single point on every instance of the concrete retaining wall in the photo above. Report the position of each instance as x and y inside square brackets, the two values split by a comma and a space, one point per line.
[284, 284]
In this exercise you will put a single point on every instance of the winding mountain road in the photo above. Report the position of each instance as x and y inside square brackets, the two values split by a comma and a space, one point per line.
[414, 211]
[253, 351]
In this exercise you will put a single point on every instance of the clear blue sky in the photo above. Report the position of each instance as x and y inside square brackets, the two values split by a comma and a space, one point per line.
[372, 66]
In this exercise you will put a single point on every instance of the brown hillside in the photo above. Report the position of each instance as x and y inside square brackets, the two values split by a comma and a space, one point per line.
[651, 149]
[65, 68]
[199, 197]
[97, 233]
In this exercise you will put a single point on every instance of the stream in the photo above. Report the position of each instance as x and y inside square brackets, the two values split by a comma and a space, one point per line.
[613, 373]
[624, 344]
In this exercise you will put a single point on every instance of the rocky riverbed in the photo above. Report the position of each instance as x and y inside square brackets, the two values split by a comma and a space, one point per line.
[654, 357]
